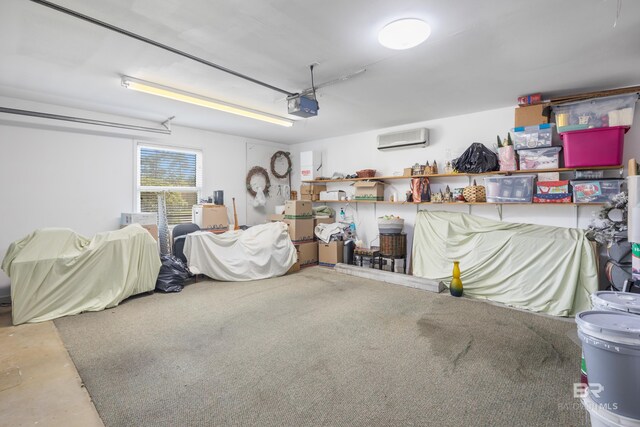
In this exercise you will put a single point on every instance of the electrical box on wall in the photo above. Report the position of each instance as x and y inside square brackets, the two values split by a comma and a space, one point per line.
[310, 165]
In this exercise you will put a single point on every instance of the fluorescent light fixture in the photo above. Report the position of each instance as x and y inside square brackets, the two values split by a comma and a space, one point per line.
[404, 33]
[202, 101]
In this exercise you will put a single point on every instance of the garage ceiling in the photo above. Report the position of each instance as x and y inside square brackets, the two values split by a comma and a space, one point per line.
[481, 55]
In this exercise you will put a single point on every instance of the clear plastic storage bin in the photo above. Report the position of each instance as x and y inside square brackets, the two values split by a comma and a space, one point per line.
[596, 113]
[509, 189]
[539, 158]
[533, 136]
[596, 191]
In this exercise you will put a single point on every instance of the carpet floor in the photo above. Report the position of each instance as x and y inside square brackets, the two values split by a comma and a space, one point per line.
[320, 348]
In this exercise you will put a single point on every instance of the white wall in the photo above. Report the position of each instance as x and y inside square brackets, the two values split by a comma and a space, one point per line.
[58, 174]
[260, 155]
[449, 137]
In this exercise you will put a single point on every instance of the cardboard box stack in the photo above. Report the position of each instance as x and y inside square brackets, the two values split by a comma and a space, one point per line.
[312, 191]
[298, 215]
[148, 221]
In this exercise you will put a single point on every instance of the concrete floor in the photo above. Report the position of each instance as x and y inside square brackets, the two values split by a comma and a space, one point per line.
[39, 384]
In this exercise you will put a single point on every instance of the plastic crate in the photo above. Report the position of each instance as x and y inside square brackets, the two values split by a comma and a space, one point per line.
[596, 191]
[533, 136]
[539, 158]
[594, 147]
[509, 189]
[596, 113]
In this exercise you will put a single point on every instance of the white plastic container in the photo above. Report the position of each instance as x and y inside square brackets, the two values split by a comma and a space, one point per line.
[611, 347]
[623, 302]
[539, 158]
[533, 136]
[596, 113]
[601, 417]
[509, 189]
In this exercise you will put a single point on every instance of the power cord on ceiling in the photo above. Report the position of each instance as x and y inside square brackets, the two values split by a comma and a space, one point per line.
[618, 10]
[313, 86]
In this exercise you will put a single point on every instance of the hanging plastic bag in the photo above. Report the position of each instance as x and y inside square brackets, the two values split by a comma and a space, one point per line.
[173, 273]
[476, 159]
[260, 199]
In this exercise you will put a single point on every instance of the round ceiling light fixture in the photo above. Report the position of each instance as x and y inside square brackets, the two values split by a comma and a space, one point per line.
[404, 33]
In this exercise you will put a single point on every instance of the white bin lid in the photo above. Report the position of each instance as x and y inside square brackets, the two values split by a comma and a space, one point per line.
[613, 326]
[604, 417]
[618, 301]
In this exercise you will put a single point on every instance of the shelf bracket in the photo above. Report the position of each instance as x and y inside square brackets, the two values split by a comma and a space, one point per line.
[499, 208]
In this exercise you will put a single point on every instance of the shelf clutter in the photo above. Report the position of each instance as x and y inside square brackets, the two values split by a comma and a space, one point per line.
[592, 188]
[526, 169]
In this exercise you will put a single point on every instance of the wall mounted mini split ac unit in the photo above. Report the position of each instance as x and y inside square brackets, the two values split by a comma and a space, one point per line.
[404, 139]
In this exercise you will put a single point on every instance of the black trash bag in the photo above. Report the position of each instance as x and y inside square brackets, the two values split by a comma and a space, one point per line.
[172, 274]
[476, 159]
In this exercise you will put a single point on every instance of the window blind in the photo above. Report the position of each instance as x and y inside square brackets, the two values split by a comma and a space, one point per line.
[175, 172]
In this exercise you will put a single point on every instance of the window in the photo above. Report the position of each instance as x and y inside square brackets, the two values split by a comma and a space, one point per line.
[178, 172]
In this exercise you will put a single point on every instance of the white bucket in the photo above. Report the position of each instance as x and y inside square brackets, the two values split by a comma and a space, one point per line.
[601, 417]
[616, 301]
[611, 347]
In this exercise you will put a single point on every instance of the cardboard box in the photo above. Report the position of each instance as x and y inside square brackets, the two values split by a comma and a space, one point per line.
[298, 209]
[369, 190]
[317, 221]
[329, 254]
[142, 218]
[531, 115]
[407, 172]
[307, 253]
[310, 197]
[210, 217]
[275, 218]
[300, 230]
[312, 188]
[152, 229]
[294, 268]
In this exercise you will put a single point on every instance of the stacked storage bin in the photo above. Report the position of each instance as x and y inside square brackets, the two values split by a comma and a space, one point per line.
[593, 135]
[533, 144]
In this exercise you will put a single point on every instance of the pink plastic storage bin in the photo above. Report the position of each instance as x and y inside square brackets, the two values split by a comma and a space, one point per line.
[594, 147]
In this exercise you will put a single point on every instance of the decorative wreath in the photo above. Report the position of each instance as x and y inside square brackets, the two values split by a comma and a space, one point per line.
[257, 170]
[274, 158]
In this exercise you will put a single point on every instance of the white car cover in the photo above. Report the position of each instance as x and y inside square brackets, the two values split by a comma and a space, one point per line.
[56, 272]
[260, 252]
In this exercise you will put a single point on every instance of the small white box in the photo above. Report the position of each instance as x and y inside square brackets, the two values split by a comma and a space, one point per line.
[310, 165]
[332, 195]
[142, 218]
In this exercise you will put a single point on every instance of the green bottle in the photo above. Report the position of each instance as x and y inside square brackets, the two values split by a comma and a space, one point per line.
[456, 284]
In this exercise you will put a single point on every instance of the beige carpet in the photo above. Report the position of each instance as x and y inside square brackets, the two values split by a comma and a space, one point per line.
[319, 348]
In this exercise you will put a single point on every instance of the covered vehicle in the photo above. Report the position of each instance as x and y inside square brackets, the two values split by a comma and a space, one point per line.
[260, 252]
[56, 272]
[534, 267]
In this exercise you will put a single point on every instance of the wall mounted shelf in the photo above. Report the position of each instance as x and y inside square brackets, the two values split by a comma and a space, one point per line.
[457, 175]
[469, 176]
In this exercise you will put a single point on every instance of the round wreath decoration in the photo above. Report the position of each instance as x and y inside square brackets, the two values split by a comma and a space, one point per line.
[257, 170]
[274, 158]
